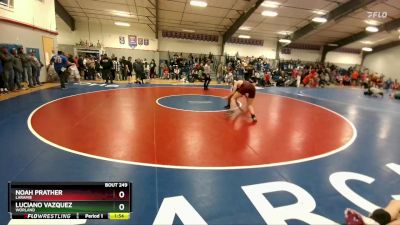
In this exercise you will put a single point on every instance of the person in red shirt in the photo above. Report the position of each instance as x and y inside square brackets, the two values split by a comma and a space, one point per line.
[354, 78]
[267, 78]
[309, 80]
[395, 85]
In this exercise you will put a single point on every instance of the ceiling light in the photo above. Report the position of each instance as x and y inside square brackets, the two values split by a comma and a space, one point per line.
[189, 31]
[269, 13]
[270, 4]
[198, 3]
[244, 28]
[367, 49]
[372, 22]
[320, 12]
[366, 42]
[333, 44]
[122, 14]
[319, 19]
[284, 32]
[123, 24]
[284, 40]
[371, 29]
[244, 36]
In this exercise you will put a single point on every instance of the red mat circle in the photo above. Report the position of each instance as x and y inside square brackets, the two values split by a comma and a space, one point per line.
[127, 125]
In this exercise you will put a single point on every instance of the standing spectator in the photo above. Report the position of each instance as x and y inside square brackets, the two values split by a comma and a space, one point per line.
[395, 85]
[18, 70]
[91, 65]
[117, 69]
[8, 70]
[107, 65]
[354, 78]
[26, 64]
[114, 62]
[98, 68]
[146, 70]
[1, 80]
[177, 71]
[60, 65]
[207, 75]
[36, 67]
[166, 72]
[268, 79]
[229, 77]
[364, 79]
[122, 63]
[219, 73]
[152, 69]
[82, 67]
[139, 70]
[296, 75]
[129, 69]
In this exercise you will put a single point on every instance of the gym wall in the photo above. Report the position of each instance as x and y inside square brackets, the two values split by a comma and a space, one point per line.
[24, 27]
[386, 62]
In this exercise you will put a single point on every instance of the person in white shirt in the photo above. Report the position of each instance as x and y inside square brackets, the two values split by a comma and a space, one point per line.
[207, 75]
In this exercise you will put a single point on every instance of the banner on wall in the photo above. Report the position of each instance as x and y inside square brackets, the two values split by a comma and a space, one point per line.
[132, 39]
[140, 41]
[190, 36]
[122, 40]
[146, 41]
[35, 51]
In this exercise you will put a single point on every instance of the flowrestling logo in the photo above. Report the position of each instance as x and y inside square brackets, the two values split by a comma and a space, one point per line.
[377, 15]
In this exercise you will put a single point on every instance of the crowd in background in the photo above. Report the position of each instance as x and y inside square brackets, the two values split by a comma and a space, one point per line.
[90, 67]
[17, 68]
[295, 73]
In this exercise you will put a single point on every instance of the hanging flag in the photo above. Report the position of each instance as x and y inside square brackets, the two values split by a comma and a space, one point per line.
[140, 41]
[146, 41]
[132, 39]
[122, 40]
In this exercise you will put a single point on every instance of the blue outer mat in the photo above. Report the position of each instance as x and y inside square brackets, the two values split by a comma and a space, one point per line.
[217, 196]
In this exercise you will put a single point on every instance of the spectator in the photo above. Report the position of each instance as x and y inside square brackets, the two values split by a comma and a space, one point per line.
[166, 72]
[124, 71]
[8, 70]
[207, 75]
[152, 69]
[138, 67]
[18, 70]
[115, 70]
[36, 68]
[354, 78]
[82, 67]
[1, 80]
[146, 70]
[219, 73]
[396, 85]
[106, 65]
[26, 64]
[129, 70]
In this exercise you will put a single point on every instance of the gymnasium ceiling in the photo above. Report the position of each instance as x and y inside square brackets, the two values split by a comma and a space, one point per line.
[220, 15]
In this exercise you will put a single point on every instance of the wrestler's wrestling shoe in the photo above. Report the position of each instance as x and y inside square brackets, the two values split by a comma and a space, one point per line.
[355, 218]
